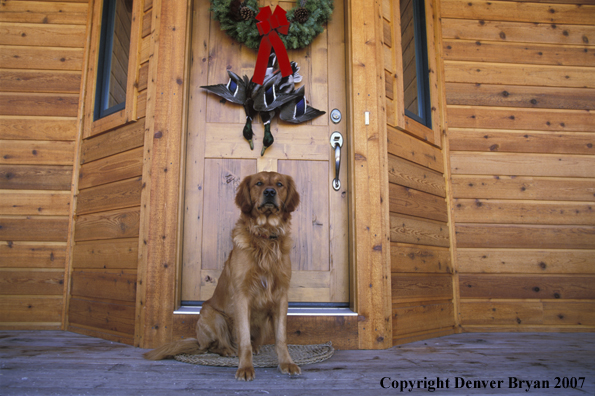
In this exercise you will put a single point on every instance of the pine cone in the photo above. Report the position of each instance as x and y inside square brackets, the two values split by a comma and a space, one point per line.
[301, 15]
[247, 13]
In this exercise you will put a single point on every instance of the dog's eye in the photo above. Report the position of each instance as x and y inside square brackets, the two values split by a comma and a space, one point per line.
[279, 184]
[259, 183]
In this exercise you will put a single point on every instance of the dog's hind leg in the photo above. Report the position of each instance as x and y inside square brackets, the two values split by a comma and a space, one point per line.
[213, 332]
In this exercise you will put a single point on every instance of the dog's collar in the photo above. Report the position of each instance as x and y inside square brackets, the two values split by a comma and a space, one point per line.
[272, 236]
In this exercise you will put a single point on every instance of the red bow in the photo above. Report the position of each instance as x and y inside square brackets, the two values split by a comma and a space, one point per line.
[271, 23]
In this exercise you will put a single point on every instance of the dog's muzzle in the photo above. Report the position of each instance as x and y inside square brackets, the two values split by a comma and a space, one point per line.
[269, 199]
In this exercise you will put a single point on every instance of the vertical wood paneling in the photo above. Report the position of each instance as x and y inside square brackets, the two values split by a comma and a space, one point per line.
[519, 91]
[370, 188]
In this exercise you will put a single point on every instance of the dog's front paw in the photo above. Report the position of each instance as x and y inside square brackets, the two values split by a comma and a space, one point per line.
[289, 368]
[245, 374]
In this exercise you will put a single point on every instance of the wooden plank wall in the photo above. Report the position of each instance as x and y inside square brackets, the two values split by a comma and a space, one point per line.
[520, 89]
[41, 62]
[108, 211]
[422, 281]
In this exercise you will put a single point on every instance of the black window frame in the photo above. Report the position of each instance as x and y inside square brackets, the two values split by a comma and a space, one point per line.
[106, 44]
[421, 59]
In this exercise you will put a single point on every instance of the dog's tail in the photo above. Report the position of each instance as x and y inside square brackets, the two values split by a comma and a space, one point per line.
[172, 349]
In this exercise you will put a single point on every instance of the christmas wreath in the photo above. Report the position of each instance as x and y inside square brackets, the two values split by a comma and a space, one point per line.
[307, 18]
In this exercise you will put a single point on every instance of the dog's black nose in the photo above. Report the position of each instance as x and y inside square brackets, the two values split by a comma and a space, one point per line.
[270, 192]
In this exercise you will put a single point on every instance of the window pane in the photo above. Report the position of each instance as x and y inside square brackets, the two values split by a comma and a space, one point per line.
[409, 62]
[113, 57]
[415, 64]
[120, 48]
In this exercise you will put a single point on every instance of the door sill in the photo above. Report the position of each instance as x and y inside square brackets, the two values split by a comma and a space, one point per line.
[293, 311]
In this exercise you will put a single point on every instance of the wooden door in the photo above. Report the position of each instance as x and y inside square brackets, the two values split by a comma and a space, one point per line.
[218, 158]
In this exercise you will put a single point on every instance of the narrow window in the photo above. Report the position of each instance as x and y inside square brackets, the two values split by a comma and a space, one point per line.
[114, 47]
[415, 61]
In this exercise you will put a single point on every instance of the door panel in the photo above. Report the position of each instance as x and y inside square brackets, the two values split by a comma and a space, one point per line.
[218, 158]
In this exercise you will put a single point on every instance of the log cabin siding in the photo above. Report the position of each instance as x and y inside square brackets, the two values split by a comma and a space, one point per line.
[41, 67]
[519, 91]
[421, 267]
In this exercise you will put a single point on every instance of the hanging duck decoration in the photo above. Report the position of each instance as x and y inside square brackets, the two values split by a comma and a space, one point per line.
[272, 87]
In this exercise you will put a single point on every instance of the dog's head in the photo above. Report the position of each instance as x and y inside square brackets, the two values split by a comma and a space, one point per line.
[267, 193]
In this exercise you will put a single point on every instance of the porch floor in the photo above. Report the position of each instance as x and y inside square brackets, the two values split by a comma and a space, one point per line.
[62, 363]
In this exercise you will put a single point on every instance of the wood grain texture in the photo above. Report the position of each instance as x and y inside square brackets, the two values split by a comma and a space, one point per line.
[508, 52]
[371, 217]
[40, 81]
[31, 309]
[561, 165]
[521, 142]
[521, 74]
[414, 150]
[46, 12]
[474, 94]
[35, 177]
[157, 270]
[415, 319]
[121, 223]
[525, 236]
[512, 187]
[517, 313]
[524, 119]
[523, 212]
[100, 254]
[421, 287]
[519, 11]
[34, 228]
[419, 259]
[100, 315]
[32, 202]
[118, 167]
[411, 202]
[501, 313]
[46, 35]
[38, 104]
[408, 174]
[527, 286]
[31, 282]
[37, 128]
[28, 152]
[105, 285]
[413, 230]
[504, 31]
[117, 195]
[526, 261]
[25, 57]
[121, 139]
[32, 254]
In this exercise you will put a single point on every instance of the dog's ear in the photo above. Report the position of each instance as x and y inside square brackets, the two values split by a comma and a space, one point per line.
[293, 197]
[243, 196]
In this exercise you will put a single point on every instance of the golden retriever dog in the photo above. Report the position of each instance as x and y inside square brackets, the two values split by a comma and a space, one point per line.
[250, 299]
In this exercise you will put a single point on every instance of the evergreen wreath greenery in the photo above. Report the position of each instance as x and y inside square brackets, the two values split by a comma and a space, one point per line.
[301, 34]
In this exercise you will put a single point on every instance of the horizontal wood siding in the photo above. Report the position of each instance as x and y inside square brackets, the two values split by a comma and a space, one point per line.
[105, 254]
[519, 92]
[422, 285]
[41, 64]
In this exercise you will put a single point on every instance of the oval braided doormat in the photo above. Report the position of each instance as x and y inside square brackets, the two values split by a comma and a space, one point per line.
[301, 355]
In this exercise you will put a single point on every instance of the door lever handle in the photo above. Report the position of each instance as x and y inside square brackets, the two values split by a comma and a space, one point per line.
[336, 144]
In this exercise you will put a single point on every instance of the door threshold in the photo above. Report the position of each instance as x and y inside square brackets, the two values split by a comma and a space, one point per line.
[292, 311]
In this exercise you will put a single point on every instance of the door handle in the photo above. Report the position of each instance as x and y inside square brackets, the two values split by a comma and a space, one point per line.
[336, 144]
